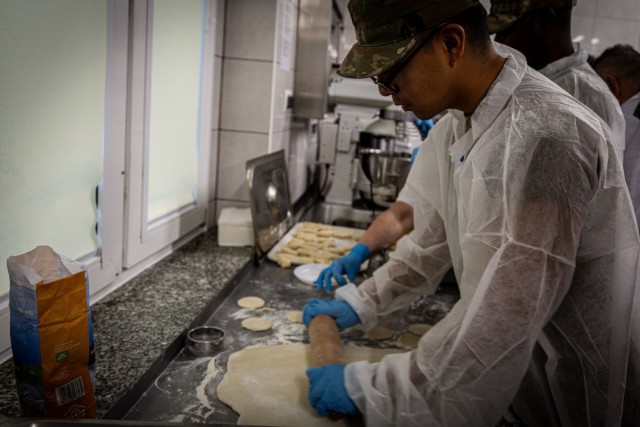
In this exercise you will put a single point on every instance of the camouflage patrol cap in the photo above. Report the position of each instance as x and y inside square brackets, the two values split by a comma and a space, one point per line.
[505, 13]
[386, 30]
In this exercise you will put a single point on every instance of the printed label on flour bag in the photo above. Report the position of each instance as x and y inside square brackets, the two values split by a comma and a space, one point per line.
[51, 335]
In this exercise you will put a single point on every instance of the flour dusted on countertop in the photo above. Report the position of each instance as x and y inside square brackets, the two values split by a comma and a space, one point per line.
[212, 370]
[191, 401]
[283, 330]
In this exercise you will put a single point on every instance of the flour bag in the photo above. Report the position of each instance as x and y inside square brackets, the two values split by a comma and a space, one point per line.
[51, 335]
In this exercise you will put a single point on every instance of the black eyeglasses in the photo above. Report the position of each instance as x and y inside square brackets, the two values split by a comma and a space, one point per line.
[387, 83]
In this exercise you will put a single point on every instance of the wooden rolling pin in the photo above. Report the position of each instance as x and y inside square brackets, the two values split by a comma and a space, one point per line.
[325, 344]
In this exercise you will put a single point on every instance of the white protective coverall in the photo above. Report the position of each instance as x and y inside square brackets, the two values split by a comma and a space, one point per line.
[527, 201]
[406, 195]
[574, 74]
[631, 111]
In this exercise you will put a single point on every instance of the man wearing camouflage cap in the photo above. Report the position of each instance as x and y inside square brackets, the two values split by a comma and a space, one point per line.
[519, 190]
[541, 30]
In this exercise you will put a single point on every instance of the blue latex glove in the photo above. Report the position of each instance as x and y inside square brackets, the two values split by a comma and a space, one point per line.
[349, 265]
[327, 392]
[414, 153]
[341, 311]
[424, 126]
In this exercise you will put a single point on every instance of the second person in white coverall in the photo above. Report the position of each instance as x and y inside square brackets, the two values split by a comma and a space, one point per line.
[541, 31]
[619, 66]
[517, 188]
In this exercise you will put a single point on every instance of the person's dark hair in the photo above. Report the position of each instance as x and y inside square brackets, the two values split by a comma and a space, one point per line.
[474, 22]
[564, 14]
[622, 60]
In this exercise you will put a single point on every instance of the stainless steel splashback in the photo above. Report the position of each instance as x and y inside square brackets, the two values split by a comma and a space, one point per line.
[313, 61]
[271, 211]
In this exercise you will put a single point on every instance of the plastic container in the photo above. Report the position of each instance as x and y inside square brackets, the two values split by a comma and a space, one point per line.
[235, 227]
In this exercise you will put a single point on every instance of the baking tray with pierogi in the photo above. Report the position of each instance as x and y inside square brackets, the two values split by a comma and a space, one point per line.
[311, 242]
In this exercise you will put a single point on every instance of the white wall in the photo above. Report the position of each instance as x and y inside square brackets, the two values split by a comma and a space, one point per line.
[603, 23]
[599, 24]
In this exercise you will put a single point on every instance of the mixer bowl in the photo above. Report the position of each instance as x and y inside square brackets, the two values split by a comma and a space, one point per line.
[383, 168]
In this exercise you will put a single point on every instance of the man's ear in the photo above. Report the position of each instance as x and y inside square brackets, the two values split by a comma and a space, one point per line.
[614, 84]
[454, 37]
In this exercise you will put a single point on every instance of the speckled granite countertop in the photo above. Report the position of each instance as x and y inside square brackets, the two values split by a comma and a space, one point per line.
[134, 324]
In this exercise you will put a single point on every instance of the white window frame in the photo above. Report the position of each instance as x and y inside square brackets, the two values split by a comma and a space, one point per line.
[104, 266]
[143, 240]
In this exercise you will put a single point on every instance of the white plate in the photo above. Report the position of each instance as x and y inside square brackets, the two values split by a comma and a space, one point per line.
[307, 273]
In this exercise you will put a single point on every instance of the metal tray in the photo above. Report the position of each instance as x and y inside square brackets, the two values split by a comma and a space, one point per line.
[269, 198]
[271, 255]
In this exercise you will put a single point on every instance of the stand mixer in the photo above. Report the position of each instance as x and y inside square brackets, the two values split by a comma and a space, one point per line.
[384, 156]
[365, 146]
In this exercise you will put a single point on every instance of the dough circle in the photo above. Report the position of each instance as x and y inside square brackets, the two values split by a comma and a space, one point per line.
[295, 316]
[409, 340]
[250, 302]
[379, 333]
[267, 385]
[419, 329]
[256, 324]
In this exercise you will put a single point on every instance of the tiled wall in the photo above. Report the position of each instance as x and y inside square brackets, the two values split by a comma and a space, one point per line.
[253, 119]
[599, 24]
[603, 23]
[215, 123]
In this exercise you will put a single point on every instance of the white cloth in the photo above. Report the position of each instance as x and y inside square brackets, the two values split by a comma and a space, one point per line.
[526, 201]
[406, 196]
[631, 111]
[632, 151]
[574, 74]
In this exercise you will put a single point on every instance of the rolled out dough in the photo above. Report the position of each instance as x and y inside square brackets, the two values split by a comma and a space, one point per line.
[250, 302]
[256, 324]
[267, 385]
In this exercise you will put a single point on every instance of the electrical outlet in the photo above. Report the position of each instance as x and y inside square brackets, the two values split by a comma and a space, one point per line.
[287, 103]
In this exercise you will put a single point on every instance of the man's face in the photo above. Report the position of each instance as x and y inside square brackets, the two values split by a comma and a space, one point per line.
[423, 82]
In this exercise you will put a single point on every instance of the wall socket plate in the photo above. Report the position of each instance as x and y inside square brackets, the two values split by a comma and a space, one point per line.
[287, 100]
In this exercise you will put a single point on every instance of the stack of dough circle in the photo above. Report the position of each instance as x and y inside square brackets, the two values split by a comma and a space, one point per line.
[250, 302]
